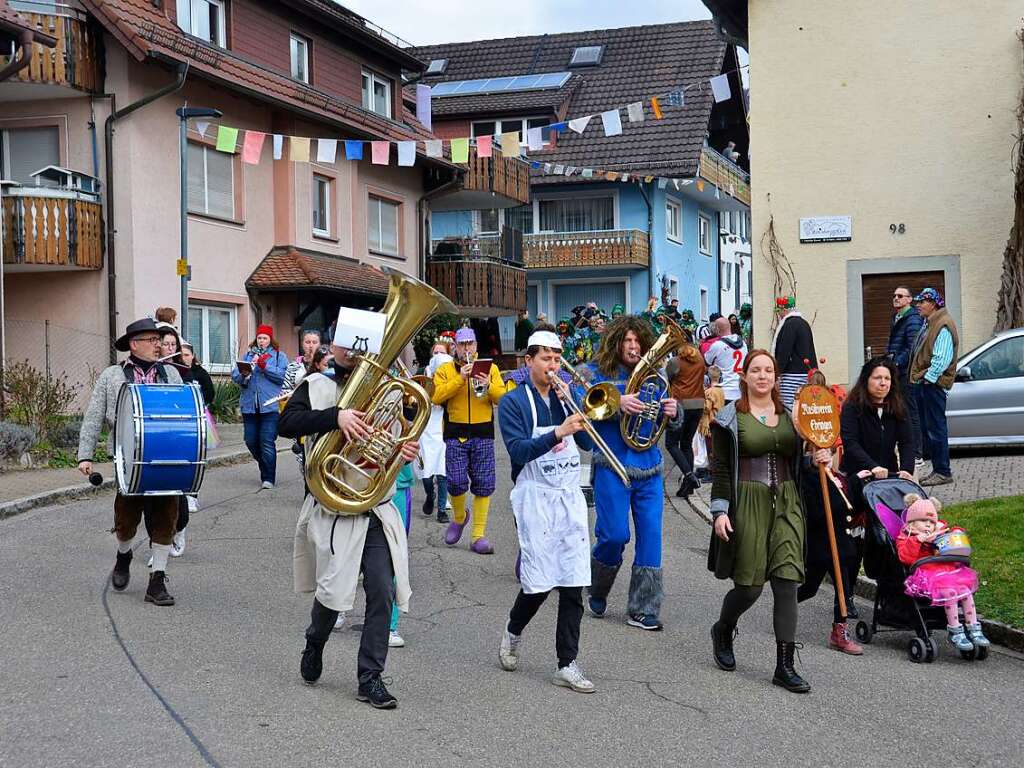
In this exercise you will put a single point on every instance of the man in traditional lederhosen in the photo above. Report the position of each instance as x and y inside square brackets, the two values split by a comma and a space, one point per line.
[141, 340]
[331, 550]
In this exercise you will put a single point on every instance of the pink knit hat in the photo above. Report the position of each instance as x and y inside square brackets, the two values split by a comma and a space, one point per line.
[922, 509]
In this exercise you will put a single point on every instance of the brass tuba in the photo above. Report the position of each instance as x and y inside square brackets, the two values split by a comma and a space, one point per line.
[642, 430]
[351, 477]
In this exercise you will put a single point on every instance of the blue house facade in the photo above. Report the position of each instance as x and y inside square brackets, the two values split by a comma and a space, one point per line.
[654, 234]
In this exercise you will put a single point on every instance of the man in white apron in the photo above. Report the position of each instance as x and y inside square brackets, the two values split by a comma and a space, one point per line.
[430, 466]
[549, 508]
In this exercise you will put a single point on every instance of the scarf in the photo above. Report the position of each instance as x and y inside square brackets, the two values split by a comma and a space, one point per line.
[141, 371]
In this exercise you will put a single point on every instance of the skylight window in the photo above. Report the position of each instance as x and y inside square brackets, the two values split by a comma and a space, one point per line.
[437, 66]
[495, 84]
[586, 56]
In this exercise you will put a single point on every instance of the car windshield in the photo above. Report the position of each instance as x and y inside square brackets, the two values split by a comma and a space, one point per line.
[973, 350]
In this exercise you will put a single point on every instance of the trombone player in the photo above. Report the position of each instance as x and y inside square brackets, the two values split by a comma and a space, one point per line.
[331, 550]
[625, 341]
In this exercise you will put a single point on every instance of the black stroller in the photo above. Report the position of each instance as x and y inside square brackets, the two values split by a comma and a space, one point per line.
[894, 610]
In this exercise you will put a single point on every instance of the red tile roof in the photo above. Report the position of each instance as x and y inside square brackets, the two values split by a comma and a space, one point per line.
[291, 268]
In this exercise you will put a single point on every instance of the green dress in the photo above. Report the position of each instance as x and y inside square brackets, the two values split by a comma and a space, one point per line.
[769, 526]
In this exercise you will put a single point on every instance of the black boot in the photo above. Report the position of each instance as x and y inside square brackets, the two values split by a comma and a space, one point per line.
[121, 573]
[321, 623]
[602, 577]
[721, 642]
[785, 674]
[376, 694]
[157, 593]
[689, 484]
[428, 503]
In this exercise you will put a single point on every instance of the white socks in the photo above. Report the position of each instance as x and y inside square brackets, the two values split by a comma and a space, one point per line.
[123, 546]
[160, 554]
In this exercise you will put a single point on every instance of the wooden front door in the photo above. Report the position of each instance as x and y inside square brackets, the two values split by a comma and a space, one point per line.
[877, 309]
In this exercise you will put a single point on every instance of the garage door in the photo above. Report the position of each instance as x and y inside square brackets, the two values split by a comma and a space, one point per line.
[877, 309]
[606, 295]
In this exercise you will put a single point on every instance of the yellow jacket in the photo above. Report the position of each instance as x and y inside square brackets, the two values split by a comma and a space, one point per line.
[465, 414]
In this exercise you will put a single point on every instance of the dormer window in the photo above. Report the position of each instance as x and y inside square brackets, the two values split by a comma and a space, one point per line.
[376, 93]
[586, 56]
[300, 57]
[203, 19]
[437, 67]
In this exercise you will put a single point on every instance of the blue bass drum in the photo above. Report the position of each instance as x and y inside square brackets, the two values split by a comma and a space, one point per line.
[159, 439]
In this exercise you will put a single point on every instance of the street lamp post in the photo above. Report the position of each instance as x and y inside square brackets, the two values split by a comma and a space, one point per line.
[184, 115]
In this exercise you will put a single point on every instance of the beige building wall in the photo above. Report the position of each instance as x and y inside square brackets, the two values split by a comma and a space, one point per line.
[892, 113]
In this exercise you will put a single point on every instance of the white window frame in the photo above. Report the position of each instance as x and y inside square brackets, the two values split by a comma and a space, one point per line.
[206, 184]
[704, 230]
[398, 226]
[188, 19]
[704, 305]
[673, 287]
[317, 178]
[727, 276]
[203, 333]
[297, 43]
[574, 194]
[673, 220]
[371, 78]
[523, 126]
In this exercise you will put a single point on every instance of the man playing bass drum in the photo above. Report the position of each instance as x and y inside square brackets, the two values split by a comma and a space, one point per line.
[625, 342]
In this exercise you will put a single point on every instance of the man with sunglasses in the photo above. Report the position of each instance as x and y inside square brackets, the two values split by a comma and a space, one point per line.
[141, 340]
[906, 325]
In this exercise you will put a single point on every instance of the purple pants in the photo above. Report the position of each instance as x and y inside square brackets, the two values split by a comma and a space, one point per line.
[470, 466]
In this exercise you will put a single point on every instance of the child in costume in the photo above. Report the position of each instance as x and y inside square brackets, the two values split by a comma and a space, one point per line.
[949, 584]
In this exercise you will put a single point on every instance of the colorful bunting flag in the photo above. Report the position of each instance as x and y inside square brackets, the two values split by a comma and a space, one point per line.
[588, 173]
[579, 125]
[252, 146]
[510, 144]
[434, 148]
[558, 127]
[406, 153]
[460, 150]
[326, 150]
[612, 122]
[559, 170]
[227, 138]
[676, 99]
[720, 88]
[484, 146]
[662, 182]
[534, 138]
[380, 152]
[298, 149]
[201, 126]
[656, 108]
[353, 150]
[700, 185]
[278, 145]
[636, 112]
[423, 105]
[611, 175]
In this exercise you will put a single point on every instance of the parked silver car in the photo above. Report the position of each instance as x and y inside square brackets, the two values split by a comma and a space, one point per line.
[986, 404]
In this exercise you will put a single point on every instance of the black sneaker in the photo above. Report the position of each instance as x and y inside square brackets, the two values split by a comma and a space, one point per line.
[157, 593]
[442, 517]
[428, 506]
[376, 694]
[645, 621]
[312, 664]
[122, 572]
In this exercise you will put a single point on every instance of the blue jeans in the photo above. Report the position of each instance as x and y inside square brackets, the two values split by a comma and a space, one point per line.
[614, 503]
[260, 439]
[931, 407]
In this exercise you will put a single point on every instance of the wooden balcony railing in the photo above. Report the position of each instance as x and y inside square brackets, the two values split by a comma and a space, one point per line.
[608, 248]
[508, 247]
[52, 227]
[76, 59]
[480, 287]
[505, 176]
[725, 175]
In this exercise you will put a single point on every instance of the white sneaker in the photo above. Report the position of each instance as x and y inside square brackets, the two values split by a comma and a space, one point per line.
[149, 563]
[448, 505]
[395, 640]
[193, 504]
[267, 485]
[340, 622]
[508, 653]
[573, 677]
[178, 544]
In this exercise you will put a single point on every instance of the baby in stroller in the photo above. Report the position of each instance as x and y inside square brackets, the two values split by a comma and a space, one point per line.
[927, 546]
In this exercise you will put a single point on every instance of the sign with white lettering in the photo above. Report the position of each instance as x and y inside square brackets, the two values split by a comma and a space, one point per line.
[826, 229]
[816, 415]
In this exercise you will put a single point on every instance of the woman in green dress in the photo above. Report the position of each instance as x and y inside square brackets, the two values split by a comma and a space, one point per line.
[758, 524]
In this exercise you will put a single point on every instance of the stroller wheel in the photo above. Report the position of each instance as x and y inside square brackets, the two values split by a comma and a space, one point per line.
[970, 655]
[933, 651]
[982, 653]
[863, 632]
[917, 651]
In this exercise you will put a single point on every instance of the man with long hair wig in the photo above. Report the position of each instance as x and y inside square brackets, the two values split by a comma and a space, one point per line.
[626, 339]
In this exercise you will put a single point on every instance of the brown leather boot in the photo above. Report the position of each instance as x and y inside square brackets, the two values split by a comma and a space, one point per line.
[840, 641]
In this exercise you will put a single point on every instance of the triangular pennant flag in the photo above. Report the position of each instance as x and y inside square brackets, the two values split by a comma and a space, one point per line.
[298, 149]
[656, 108]
[579, 125]
[484, 146]
[278, 146]
[353, 150]
[676, 99]
[434, 148]
[534, 138]
[407, 153]
[201, 126]
[510, 144]
[720, 88]
[662, 182]
[227, 138]
[612, 122]
[326, 150]
[380, 152]
[636, 112]
[423, 105]
[252, 146]
[460, 150]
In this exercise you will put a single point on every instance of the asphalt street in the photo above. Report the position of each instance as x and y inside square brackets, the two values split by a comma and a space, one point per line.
[90, 677]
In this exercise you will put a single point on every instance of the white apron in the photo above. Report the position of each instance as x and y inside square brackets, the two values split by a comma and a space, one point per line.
[431, 462]
[551, 518]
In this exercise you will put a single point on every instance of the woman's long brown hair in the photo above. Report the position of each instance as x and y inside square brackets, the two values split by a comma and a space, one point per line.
[608, 357]
[893, 402]
[743, 404]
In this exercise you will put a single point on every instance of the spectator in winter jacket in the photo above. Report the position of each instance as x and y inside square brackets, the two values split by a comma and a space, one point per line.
[906, 325]
[793, 348]
[259, 385]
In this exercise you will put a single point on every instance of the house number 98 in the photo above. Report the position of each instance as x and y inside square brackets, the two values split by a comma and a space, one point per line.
[897, 228]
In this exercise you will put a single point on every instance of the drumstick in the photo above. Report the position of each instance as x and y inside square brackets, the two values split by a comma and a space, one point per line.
[835, 482]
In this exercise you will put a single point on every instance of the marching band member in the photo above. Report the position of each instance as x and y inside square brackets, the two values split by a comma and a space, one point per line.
[625, 342]
[469, 438]
[430, 466]
[141, 340]
[331, 550]
[549, 508]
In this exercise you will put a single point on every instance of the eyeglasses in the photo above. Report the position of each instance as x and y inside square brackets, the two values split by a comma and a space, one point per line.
[150, 339]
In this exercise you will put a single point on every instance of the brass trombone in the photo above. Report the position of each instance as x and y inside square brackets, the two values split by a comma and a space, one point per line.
[588, 426]
[424, 381]
[600, 401]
